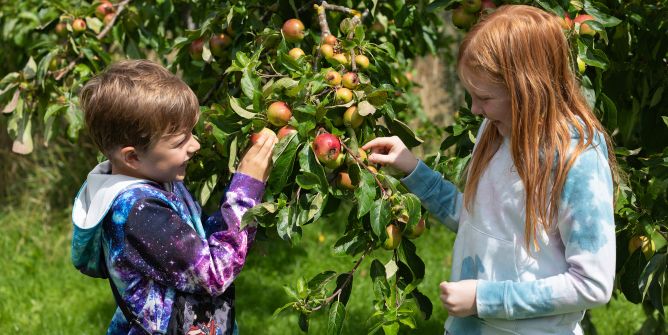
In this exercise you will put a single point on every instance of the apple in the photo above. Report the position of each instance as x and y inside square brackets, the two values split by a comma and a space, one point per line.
[196, 48]
[108, 18]
[327, 148]
[330, 39]
[415, 231]
[79, 26]
[462, 19]
[471, 6]
[61, 29]
[285, 131]
[293, 30]
[218, 44]
[378, 27]
[585, 29]
[333, 78]
[343, 180]
[340, 59]
[581, 65]
[296, 53]
[372, 169]
[104, 8]
[343, 95]
[279, 113]
[350, 160]
[352, 118]
[393, 237]
[566, 22]
[327, 51]
[362, 61]
[646, 244]
[264, 131]
[350, 80]
[487, 4]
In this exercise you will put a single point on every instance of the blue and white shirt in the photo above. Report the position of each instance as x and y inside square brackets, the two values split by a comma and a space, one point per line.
[541, 292]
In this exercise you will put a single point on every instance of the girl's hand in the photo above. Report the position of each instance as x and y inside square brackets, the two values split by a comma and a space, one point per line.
[393, 152]
[257, 160]
[459, 297]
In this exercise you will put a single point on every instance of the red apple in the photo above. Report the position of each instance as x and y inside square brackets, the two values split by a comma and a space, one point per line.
[352, 118]
[585, 29]
[264, 131]
[279, 113]
[415, 231]
[343, 180]
[104, 8]
[333, 78]
[79, 26]
[350, 80]
[296, 53]
[566, 22]
[393, 237]
[488, 4]
[293, 30]
[285, 131]
[196, 48]
[327, 148]
[219, 43]
[108, 18]
[330, 39]
[61, 29]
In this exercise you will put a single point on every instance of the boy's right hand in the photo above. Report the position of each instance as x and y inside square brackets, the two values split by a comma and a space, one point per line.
[257, 162]
[393, 152]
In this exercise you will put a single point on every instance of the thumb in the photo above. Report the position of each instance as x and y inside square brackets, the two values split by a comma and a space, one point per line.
[444, 286]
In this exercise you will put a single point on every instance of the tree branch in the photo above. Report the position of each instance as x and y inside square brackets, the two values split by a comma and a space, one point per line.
[366, 167]
[107, 28]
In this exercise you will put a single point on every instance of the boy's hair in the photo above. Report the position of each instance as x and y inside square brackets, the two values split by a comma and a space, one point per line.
[135, 103]
[524, 49]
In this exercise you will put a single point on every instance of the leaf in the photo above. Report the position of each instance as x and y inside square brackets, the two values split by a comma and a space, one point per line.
[207, 187]
[303, 322]
[365, 193]
[234, 104]
[380, 217]
[308, 180]
[404, 132]
[381, 288]
[665, 120]
[23, 144]
[320, 280]
[364, 108]
[407, 252]
[11, 106]
[411, 203]
[30, 69]
[284, 224]
[308, 163]
[433, 6]
[346, 286]
[423, 303]
[351, 243]
[250, 84]
[285, 153]
[656, 98]
[391, 328]
[337, 312]
[655, 268]
[257, 212]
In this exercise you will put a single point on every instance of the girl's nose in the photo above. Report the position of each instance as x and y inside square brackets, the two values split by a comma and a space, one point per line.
[475, 108]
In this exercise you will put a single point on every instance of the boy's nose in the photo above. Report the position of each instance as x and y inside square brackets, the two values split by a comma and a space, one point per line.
[194, 145]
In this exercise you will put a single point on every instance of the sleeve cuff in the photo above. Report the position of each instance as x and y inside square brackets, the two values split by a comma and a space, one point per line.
[248, 185]
[490, 299]
[421, 179]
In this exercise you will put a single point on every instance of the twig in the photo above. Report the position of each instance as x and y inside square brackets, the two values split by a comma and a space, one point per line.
[338, 8]
[62, 72]
[338, 292]
[107, 28]
[366, 167]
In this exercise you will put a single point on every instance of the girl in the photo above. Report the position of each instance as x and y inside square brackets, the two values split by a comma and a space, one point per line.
[535, 242]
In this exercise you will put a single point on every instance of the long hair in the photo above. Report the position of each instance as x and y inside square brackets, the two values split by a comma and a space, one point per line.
[524, 49]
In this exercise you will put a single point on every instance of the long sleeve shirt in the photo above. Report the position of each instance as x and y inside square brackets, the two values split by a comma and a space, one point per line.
[522, 292]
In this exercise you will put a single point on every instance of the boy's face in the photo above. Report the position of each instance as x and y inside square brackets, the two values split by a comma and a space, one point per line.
[166, 161]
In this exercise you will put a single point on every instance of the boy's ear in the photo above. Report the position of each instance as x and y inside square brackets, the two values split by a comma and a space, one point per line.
[129, 157]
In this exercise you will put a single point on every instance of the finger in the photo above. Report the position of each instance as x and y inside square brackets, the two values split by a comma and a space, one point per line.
[266, 149]
[253, 150]
[378, 142]
[377, 158]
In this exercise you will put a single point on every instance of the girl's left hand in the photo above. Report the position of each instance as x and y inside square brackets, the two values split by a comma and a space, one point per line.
[458, 298]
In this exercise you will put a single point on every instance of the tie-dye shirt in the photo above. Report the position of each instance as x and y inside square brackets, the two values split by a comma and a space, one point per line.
[520, 292]
[156, 242]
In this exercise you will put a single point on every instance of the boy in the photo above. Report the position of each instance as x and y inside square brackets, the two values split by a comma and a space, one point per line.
[170, 268]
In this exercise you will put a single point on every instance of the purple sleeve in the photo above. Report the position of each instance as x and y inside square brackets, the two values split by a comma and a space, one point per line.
[164, 247]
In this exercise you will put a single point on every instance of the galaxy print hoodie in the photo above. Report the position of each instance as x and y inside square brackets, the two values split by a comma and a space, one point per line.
[155, 241]
[519, 291]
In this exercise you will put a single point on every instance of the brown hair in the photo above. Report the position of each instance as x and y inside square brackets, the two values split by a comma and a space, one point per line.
[524, 49]
[135, 103]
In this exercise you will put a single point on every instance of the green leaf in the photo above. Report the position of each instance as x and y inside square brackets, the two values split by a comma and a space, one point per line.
[351, 243]
[309, 163]
[407, 252]
[391, 328]
[303, 322]
[433, 6]
[411, 203]
[344, 282]
[234, 104]
[404, 132]
[250, 83]
[380, 217]
[381, 288]
[665, 120]
[285, 153]
[308, 180]
[365, 193]
[655, 269]
[604, 19]
[337, 312]
[257, 212]
[11, 106]
[321, 279]
[284, 224]
[364, 108]
[23, 144]
[656, 98]
[207, 187]
[423, 303]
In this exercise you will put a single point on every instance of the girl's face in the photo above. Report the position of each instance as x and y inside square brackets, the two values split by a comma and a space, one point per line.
[489, 99]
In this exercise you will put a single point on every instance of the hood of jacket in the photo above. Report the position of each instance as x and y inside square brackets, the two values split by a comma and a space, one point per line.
[90, 207]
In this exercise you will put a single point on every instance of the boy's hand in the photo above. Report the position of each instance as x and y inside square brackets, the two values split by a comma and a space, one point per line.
[393, 152]
[458, 297]
[257, 160]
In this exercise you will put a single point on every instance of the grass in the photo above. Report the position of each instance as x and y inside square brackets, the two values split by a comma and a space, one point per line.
[42, 293]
